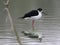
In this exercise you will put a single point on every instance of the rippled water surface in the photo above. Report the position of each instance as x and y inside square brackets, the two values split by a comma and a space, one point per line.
[48, 25]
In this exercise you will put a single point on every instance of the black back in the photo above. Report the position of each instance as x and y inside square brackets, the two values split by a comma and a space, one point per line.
[31, 13]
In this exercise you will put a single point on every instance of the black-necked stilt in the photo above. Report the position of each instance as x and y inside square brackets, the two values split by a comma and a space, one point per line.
[34, 14]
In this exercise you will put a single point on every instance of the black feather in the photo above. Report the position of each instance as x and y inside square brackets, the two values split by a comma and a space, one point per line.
[31, 13]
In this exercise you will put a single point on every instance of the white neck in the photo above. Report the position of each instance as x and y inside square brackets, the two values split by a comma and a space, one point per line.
[40, 14]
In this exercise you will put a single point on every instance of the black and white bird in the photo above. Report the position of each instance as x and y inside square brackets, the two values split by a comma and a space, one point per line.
[34, 14]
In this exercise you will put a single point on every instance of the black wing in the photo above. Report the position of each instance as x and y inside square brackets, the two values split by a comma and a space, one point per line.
[31, 13]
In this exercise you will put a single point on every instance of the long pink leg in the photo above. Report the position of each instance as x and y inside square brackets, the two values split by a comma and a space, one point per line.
[33, 25]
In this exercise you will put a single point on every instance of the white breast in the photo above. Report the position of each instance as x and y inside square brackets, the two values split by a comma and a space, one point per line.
[38, 16]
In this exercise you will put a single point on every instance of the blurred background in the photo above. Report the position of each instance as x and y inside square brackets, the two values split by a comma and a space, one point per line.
[48, 25]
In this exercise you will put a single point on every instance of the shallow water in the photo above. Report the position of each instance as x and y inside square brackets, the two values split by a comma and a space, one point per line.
[48, 25]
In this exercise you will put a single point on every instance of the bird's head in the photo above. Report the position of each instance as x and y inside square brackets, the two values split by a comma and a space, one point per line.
[41, 10]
